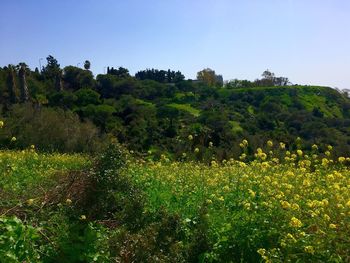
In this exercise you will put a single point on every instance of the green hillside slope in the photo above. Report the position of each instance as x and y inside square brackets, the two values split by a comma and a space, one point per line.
[159, 116]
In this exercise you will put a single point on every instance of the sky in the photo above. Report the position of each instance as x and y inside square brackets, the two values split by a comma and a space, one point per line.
[307, 41]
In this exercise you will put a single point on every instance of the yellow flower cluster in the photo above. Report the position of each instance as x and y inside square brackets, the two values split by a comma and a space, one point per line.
[306, 200]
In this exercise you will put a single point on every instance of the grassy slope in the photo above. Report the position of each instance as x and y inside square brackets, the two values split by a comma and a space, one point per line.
[187, 108]
[326, 99]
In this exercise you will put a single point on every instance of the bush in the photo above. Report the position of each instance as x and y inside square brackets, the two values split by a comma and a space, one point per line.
[113, 195]
[49, 129]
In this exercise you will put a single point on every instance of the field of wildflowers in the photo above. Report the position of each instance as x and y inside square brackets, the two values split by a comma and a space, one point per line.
[284, 206]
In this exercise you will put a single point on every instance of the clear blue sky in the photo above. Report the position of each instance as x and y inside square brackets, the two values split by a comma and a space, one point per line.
[305, 40]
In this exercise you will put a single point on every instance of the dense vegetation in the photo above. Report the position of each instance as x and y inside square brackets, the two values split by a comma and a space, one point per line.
[157, 110]
[156, 168]
[282, 207]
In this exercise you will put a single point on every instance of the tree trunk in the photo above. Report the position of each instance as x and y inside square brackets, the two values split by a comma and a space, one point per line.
[11, 85]
[23, 84]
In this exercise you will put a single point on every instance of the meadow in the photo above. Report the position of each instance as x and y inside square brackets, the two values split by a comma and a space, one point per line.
[282, 207]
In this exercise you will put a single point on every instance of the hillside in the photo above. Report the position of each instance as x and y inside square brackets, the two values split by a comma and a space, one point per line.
[210, 173]
[157, 115]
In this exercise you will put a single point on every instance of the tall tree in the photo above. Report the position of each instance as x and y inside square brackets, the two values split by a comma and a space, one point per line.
[11, 84]
[53, 72]
[23, 83]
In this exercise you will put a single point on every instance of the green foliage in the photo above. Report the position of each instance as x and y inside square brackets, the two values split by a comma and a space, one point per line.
[18, 242]
[82, 242]
[76, 78]
[52, 68]
[113, 194]
[136, 109]
[49, 130]
[160, 75]
[109, 164]
[125, 209]
[186, 107]
[63, 99]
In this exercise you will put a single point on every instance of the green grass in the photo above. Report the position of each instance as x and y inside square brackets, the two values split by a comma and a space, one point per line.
[187, 108]
[25, 171]
[311, 101]
[146, 103]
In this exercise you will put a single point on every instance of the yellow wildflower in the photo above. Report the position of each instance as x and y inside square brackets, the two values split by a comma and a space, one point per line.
[285, 204]
[251, 192]
[332, 226]
[309, 249]
[261, 251]
[290, 236]
[30, 201]
[295, 222]
[243, 156]
[341, 159]
[326, 217]
[209, 201]
[295, 206]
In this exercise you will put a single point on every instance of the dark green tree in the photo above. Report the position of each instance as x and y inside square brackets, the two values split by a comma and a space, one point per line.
[11, 84]
[87, 65]
[53, 72]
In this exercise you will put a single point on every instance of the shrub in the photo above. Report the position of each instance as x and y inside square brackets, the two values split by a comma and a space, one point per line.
[49, 130]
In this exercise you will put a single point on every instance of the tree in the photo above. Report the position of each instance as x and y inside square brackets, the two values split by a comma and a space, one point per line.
[268, 75]
[281, 81]
[120, 72]
[269, 79]
[162, 76]
[22, 82]
[87, 64]
[52, 68]
[11, 84]
[209, 77]
[76, 78]
[53, 72]
[86, 97]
